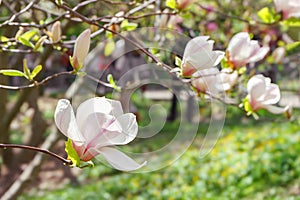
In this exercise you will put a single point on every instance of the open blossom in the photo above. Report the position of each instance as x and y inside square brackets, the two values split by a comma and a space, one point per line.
[199, 55]
[81, 49]
[98, 126]
[56, 32]
[262, 94]
[289, 8]
[241, 50]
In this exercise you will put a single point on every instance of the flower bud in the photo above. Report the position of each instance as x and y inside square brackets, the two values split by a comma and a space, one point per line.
[81, 49]
[56, 32]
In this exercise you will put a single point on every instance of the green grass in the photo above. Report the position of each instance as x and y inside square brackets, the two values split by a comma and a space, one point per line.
[252, 160]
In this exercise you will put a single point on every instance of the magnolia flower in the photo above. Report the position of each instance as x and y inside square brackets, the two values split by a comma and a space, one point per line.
[199, 55]
[81, 49]
[289, 8]
[241, 50]
[228, 79]
[207, 82]
[262, 94]
[99, 124]
[56, 32]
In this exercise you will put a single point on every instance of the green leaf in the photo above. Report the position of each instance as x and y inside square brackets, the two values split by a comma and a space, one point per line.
[108, 35]
[292, 48]
[109, 48]
[266, 15]
[36, 71]
[72, 154]
[294, 22]
[178, 61]
[3, 39]
[39, 43]
[29, 34]
[26, 70]
[25, 42]
[128, 26]
[11, 72]
[171, 4]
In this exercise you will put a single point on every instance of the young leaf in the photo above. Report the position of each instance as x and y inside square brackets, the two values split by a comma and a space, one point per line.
[109, 48]
[29, 34]
[178, 61]
[171, 4]
[39, 43]
[35, 71]
[72, 154]
[25, 42]
[128, 26]
[26, 70]
[266, 15]
[11, 72]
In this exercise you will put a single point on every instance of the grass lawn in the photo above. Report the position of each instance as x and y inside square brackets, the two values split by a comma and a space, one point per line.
[252, 160]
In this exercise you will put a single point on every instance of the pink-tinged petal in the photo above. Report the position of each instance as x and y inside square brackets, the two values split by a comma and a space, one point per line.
[119, 160]
[97, 105]
[194, 45]
[229, 79]
[129, 128]
[96, 130]
[65, 121]
[272, 95]
[202, 60]
[256, 87]
[106, 130]
[236, 42]
[260, 54]
[82, 46]
[275, 109]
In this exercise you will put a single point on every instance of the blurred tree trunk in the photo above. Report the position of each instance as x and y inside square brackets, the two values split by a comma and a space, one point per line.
[3, 100]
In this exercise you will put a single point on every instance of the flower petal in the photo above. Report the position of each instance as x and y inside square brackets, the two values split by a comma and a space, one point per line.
[119, 160]
[260, 54]
[65, 121]
[276, 109]
[236, 42]
[97, 105]
[272, 95]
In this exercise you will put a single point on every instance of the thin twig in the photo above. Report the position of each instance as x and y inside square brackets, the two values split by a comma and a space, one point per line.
[36, 84]
[46, 151]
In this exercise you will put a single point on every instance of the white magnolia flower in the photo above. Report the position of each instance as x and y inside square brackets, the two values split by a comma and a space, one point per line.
[199, 55]
[262, 94]
[289, 8]
[56, 32]
[241, 50]
[81, 49]
[98, 126]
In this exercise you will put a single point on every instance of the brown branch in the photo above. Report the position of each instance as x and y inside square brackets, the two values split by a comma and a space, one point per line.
[36, 84]
[45, 151]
